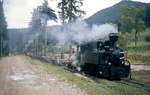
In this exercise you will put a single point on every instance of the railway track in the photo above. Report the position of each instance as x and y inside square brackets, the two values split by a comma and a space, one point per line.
[135, 83]
[129, 82]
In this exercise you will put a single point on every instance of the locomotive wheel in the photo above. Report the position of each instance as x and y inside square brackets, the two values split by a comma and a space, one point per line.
[127, 63]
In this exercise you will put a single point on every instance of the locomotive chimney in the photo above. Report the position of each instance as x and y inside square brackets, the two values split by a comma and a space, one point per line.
[113, 37]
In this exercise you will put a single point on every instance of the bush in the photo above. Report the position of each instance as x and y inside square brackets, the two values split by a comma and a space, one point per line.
[123, 41]
[147, 38]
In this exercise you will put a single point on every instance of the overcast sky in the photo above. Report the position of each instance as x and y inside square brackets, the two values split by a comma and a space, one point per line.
[18, 12]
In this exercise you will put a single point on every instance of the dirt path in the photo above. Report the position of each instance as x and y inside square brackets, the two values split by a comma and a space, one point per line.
[18, 77]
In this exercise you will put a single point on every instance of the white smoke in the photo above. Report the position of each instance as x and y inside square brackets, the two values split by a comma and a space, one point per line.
[79, 32]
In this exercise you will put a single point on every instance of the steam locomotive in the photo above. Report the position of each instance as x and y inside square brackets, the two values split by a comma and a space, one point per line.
[102, 58]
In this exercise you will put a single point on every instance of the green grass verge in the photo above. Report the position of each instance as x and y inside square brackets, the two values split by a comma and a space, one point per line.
[105, 87]
[142, 48]
[127, 41]
[142, 76]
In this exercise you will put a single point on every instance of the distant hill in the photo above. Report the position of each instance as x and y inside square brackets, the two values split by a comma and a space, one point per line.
[111, 14]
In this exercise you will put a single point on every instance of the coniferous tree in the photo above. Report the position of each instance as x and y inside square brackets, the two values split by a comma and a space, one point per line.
[73, 10]
[41, 15]
[47, 13]
[62, 5]
[4, 50]
[70, 10]
[147, 17]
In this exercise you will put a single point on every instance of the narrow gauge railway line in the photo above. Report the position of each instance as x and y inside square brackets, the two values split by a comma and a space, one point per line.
[135, 83]
[129, 82]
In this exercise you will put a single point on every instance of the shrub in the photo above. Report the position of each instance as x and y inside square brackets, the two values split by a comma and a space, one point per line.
[147, 38]
[123, 41]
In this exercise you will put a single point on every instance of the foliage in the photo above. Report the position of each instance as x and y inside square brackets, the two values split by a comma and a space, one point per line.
[147, 18]
[112, 14]
[38, 41]
[143, 47]
[139, 54]
[123, 41]
[70, 10]
[132, 18]
[147, 38]
[4, 49]
[41, 15]
[63, 7]
[44, 9]
[35, 24]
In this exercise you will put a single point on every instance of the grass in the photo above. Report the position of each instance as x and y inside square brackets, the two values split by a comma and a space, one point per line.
[105, 87]
[142, 76]
[143, 48]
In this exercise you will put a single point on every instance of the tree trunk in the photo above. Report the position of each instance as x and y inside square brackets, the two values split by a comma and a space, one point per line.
[70, 11]
[136, 38]
[1, 47]
[45, 48]
[45, 38]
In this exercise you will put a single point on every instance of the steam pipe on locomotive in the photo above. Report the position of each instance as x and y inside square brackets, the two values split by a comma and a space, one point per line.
[101, 58]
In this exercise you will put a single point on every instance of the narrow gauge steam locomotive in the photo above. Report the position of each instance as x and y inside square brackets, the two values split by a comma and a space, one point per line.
[103, 59]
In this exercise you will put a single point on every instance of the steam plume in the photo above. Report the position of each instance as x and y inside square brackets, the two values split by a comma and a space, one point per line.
[79, 32]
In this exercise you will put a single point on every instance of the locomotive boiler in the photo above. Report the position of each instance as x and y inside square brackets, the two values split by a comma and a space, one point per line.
[102, 58]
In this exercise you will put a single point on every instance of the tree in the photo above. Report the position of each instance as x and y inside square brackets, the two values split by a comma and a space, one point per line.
[62, 5]
[147, 17]
[4, 49]
[47, 13]
[132, 18]
[35, 24]
[41, 15]
[70, 10]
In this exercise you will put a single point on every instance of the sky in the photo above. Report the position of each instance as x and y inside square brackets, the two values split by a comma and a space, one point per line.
[19, 12]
